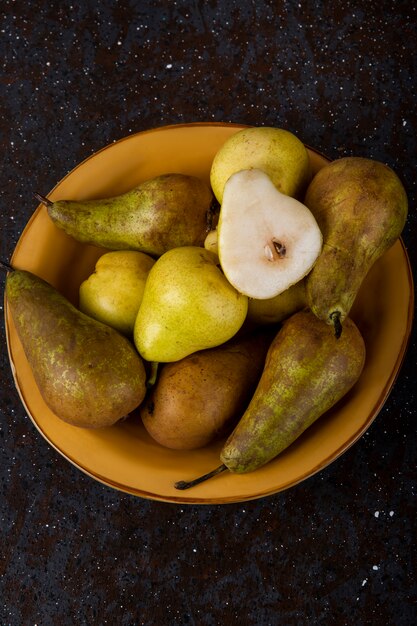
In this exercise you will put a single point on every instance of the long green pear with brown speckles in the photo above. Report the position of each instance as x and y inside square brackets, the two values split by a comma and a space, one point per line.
[88, 374]
[164, 212]
[307, 370]
[361, 207]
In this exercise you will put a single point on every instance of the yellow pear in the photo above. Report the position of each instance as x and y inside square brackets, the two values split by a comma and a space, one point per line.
[188, 305]
[277, 309]
[276, 151]
[211, 243]
[113, 293]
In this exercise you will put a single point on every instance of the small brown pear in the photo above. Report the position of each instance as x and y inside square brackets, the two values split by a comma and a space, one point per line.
[198, 399]
[361, 207]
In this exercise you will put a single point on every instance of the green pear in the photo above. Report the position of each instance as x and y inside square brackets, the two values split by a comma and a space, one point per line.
[88, 374]
[307, 371]
[113, 293]
[164, 212]
[188, 305]
[277, 309]
[267, 240]
[276, 151]
[199, 398]
[361, 207]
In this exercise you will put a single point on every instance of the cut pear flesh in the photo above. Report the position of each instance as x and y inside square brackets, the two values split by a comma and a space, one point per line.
[267, 240]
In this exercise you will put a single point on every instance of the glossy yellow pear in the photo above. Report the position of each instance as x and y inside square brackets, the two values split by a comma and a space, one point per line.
[113, 292]
[187, 305]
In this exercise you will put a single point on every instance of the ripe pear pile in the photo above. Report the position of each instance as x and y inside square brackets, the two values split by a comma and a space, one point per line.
[208, 320]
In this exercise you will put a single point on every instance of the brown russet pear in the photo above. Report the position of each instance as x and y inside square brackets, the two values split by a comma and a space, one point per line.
[87, 373]
[161, 213]
[199, 399]
[307, 370]
[361, 207]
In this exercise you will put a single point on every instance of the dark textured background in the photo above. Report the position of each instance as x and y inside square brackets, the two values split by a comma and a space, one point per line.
[336, 549]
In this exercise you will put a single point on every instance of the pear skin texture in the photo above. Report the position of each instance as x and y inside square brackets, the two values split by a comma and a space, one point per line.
[276, 151]
[112, 294]
[188, 305]
[307, 370]
[361, 207]
[183, 413]
[277, 309]
[164, 212]
[88, 374]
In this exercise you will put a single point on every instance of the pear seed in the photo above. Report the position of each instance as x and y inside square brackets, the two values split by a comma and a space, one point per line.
[268, 252]
[280, 248]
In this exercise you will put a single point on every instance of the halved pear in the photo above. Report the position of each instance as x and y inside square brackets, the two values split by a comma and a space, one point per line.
[267, 240]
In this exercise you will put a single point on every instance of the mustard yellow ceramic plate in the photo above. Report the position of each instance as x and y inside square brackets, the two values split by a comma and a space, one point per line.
[124, 456]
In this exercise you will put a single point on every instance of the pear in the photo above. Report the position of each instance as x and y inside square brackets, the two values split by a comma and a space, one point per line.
[276, 151]
[164, 212]
[210, 242]
[267, 240]
[183, 411]
[87, 373]
[361, 207]
[113, 292]
[188, 305]
[277, 309]
[307, 371]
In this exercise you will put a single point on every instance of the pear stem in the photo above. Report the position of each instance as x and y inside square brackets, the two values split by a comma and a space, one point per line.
[153, 374]
[183, 484]
[6, 266]
[337, 324]
[43, 200]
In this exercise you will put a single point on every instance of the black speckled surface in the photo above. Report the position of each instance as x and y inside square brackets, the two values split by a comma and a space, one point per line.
[336, 549]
